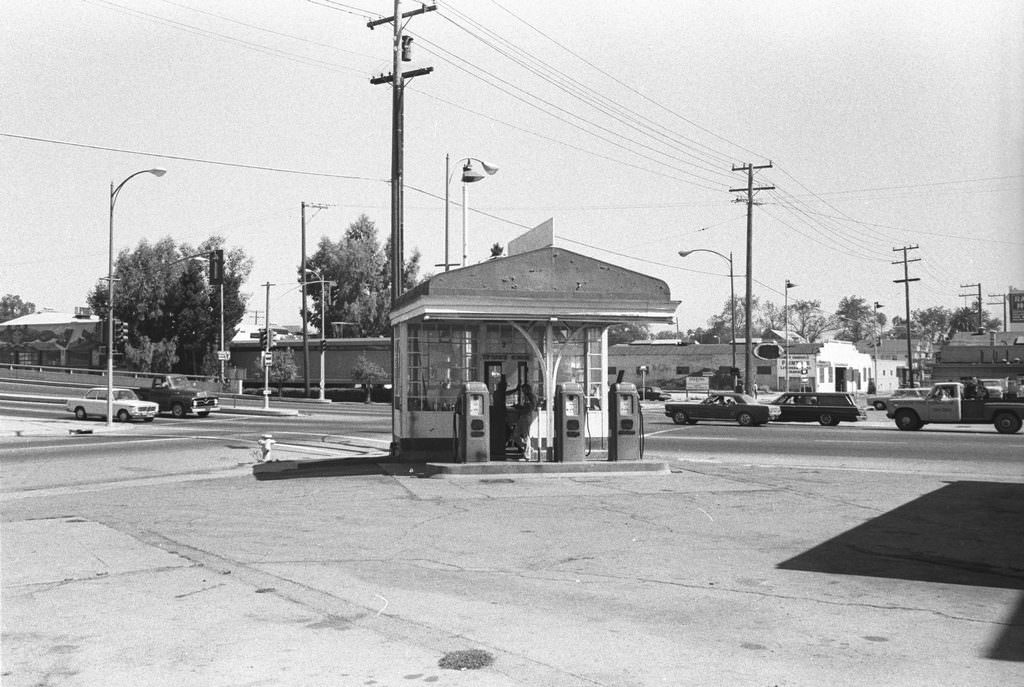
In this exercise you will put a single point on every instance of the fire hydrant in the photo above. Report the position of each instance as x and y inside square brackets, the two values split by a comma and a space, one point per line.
[266, 443]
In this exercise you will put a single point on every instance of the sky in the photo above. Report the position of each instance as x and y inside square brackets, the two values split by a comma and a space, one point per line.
[886, 125]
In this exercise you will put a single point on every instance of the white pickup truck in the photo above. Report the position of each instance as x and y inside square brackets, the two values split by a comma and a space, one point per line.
[945, 403]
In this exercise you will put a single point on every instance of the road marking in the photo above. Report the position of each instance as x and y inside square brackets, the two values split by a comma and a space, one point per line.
[676, 429]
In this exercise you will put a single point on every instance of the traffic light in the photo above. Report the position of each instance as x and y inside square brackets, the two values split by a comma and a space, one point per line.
[323, 345]
[121, 332]
[330, 294]
[263, 338]
[216, 267]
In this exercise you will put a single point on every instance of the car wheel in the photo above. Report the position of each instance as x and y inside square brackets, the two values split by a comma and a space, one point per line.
[680, 417]
[123, 416]
[178, 410]
[827, 419]
[907, 420]
[80, 413]
[879, 405]
[745, 419]
[1007, 423]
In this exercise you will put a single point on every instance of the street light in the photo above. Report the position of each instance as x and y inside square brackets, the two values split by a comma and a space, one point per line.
[114, 190]
[877, 334]
[469, 175]
[732, 301]
[325, 285]
[785, 315]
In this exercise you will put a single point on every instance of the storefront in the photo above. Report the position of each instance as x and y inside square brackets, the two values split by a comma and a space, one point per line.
[537, 317]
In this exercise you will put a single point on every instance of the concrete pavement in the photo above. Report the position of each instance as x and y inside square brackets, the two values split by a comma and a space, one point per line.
[711, 575]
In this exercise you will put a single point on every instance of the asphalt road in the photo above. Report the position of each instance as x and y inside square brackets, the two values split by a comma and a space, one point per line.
[782, 555]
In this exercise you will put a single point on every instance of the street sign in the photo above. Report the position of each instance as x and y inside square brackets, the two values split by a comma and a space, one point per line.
[223, 355]
[267, 358]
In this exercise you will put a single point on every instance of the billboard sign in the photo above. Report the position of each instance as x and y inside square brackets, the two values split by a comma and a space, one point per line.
[1016, 300]
[697, 383]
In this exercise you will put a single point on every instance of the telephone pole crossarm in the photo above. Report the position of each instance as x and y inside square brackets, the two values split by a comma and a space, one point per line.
[405, 15]
[387, 78]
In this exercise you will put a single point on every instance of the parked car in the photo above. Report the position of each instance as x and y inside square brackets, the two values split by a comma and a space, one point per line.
[881, 401]
[723, 405]
[126, 405]
[994, 387]
[827, 408]
[653, 393]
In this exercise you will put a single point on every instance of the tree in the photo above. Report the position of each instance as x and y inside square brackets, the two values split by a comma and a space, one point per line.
[362, 272]
[771, 316]
[370, 374]
[933, 322]
[807, 319]
[966, 320]
[721, 324]
[283, 369]
[854, 317]
[899, 329]
[168, 303]
[150, 356]
[625, 333]
[11, 306]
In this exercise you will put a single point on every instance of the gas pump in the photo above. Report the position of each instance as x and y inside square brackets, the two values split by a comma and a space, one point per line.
[570, 410]
[625, 422]
[472, 429]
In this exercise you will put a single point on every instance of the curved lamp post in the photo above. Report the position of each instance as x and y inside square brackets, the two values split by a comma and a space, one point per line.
[469, 175]
[732, 298]
[114, 190]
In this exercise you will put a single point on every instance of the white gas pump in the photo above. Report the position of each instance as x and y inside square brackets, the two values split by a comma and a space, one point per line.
[625, 422]
[570, 412]
[472, 428]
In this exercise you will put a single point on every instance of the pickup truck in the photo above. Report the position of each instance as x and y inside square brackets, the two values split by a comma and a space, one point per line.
[945, 403]
[179, 396]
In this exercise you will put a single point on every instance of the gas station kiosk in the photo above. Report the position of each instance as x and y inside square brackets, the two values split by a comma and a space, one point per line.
[508, 359]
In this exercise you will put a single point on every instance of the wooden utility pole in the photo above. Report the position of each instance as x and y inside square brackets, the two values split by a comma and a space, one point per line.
[1002, 302]
[981, 323]
[906, 285]
[749, 190]
[400, 52]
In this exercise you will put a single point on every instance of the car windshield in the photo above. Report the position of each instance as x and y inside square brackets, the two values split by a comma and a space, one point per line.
[125, 395]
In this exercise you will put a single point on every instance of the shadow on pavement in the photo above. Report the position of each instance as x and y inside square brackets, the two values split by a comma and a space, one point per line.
[339, 467]
[966, 533]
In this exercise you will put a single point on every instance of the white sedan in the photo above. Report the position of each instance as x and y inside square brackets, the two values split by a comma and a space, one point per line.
[127, 406]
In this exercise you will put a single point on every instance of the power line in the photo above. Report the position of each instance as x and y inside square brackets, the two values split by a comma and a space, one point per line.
[604, 104]
[528, 98]
[199, 160]
[628, 87]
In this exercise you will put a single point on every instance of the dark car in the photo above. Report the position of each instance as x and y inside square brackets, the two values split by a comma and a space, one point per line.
[881, 401]
[827, 408]
[652, 393]
[723, 405]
